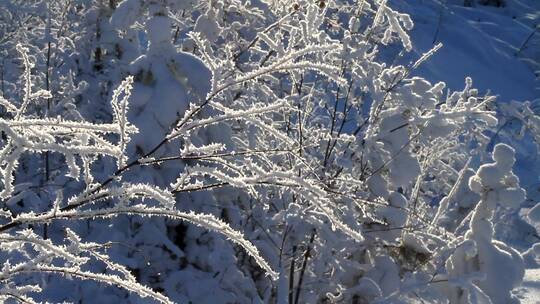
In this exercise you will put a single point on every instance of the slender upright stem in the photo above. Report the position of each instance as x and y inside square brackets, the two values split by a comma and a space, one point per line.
[307, 254]
[291, 276]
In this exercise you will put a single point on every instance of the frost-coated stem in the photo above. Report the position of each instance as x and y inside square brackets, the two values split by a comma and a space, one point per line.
[443, 205]
[204, 220]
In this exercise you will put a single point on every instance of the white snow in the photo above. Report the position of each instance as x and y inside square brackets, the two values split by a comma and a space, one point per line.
[428, 200]
[529, 292]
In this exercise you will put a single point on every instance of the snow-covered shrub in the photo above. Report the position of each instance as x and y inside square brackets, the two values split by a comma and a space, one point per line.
[479, 255]
[296, 131]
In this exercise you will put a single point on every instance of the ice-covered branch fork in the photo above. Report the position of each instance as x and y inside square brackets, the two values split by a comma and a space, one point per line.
[74, 255]
[71, 138]
[61, 136]
[206, 221]
[248, 176]
[292, 61]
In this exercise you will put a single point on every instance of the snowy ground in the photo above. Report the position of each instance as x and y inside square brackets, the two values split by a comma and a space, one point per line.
[529, 293]
[481, 42]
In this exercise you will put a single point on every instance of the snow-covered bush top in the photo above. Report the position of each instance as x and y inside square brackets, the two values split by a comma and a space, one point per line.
[501, 266]
[496, 182]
